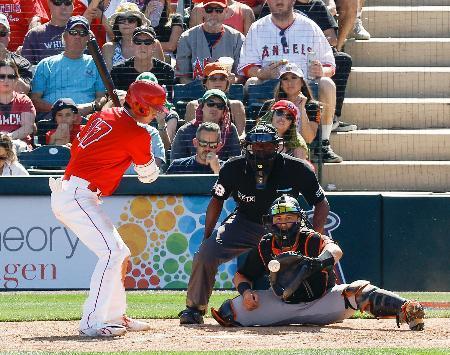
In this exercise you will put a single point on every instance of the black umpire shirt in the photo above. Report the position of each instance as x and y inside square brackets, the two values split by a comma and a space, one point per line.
[289, 176]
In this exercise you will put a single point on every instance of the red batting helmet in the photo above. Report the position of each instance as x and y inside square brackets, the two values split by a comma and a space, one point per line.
[142, 95]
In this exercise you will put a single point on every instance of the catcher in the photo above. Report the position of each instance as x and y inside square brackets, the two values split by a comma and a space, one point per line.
[303, 289]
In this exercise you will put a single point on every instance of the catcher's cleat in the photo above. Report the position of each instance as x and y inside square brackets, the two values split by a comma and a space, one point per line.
[133, 325]
[104, 330]
[225, 315]
[412, 313]
[191, 316]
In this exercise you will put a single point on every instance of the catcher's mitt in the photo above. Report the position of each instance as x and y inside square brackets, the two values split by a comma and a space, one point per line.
[288, 270]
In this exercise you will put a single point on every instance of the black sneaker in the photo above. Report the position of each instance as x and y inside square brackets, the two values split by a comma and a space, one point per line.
[328, 156]
[191, 316]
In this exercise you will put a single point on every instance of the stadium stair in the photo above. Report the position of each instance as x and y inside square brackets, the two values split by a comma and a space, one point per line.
[399, 96]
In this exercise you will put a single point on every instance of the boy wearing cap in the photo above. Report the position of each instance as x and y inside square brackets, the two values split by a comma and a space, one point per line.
[69, 74]
[65, 114]
[207, 42]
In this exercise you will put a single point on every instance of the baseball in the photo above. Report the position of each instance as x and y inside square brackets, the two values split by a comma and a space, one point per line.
[274, 265]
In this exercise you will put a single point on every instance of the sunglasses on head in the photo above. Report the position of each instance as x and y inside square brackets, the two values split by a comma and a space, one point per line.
[204, 144]
[218, 105]
[3, 33]
[282, 113]
[146, 41]
[129, 19]
[81, 33]
[60, 2]
[9, 76]
[210, 10]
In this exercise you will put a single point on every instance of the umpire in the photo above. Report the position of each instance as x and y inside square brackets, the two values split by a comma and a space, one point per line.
[255, 180]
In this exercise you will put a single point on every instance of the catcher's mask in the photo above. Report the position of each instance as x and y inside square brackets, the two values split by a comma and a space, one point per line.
[285, 204]
[261, 147]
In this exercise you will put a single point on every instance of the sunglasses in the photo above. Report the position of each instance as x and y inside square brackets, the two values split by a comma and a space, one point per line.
[9, 76]
[60, 2]
[282, 113]
[218, 105]
[129, 19]
[147, 41]
[81, 33]
[204, 144]
[3, 33]
[210, 10]
[283, 38]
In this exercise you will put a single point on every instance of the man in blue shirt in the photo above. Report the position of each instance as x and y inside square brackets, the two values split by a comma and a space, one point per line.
[69, 74]
[205, 161]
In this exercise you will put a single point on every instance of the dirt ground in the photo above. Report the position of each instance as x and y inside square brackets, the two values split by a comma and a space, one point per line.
[169, 335]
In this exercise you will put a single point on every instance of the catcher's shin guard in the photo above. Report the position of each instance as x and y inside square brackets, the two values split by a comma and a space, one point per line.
[384, 304]
[225, 315]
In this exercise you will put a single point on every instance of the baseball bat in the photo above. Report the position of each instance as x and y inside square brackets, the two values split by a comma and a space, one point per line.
[99, 61]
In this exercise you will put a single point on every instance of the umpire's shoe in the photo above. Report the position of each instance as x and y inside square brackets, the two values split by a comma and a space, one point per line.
[191, 316]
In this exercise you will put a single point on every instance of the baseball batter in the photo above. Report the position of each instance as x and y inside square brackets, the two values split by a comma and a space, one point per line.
[104, 149]
[303, 288]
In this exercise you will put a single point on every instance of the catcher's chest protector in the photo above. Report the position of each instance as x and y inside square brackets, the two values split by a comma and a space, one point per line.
[314, 286]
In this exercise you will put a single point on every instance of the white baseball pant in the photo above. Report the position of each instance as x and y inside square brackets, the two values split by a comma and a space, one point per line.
[75, 205]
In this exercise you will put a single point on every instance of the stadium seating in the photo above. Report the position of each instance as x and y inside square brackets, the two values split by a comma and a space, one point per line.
[46, 159]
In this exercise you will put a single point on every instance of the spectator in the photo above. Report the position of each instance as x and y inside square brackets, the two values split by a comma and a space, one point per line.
[293, 87]
[46, 40]
[23, 65]
[69, 74]
[267, 48]
[205, 160]
[213, 107]
[125, 73]
[218, 77]
[65, 115]
[207, 42]
[124, 21]
[168, 27]
[284, 116]
[9, 165]
[17, 113]
[240, 18]
[22, 15]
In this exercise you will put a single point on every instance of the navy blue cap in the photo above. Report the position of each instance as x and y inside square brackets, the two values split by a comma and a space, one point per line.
[63, 103]
[77, 21]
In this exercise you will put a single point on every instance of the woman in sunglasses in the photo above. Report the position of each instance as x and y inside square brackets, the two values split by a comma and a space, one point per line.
[17, 112]
[213, 107]
[9, 166]
[216, 76]
[284, 116]
[124, 21]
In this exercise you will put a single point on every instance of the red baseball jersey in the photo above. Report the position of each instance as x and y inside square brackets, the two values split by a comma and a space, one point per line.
[105, 148]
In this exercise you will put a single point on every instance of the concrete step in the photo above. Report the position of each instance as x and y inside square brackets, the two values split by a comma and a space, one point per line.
[388, 113]
[412, 22]
[391, 82]
[407, 3]
[376, 144]
[433, 176]
[400, 52]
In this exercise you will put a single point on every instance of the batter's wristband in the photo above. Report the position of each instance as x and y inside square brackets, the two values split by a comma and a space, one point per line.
[242, 287]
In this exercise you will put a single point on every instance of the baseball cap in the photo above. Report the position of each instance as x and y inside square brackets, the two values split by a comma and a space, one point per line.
[214, 68]
[148, 76]
[286, 105]
[143, 29]
[215, 92]
[77, 21]
[63, 103]
[291, 68]
[4, 21]
[221, 3]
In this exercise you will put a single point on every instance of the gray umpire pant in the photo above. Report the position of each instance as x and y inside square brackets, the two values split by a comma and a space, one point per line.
[234, 237]
[273, 311]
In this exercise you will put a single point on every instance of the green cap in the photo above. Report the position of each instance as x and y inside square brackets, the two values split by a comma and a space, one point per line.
[215, 92]
[148, 76]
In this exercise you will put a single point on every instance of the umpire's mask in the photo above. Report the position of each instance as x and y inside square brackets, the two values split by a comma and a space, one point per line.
[261, 148]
